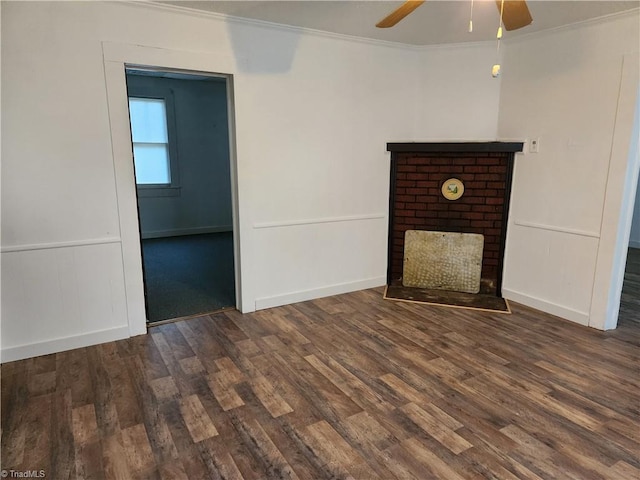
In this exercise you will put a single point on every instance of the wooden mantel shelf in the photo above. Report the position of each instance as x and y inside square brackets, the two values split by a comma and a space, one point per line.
[443, 147]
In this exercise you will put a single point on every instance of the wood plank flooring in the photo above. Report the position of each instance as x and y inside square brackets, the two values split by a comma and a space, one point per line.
[346, 387]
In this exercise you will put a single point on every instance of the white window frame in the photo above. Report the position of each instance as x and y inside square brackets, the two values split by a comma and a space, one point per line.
[161, 190]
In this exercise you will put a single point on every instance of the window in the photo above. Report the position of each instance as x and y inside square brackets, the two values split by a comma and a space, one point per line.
[150, 141]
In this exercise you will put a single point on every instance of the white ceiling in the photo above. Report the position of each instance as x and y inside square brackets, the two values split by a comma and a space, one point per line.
[435, 22]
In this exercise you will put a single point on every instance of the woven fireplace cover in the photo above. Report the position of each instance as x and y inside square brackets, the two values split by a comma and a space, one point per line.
[443, 260]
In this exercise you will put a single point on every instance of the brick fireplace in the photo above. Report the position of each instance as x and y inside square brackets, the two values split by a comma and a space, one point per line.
[416, 201]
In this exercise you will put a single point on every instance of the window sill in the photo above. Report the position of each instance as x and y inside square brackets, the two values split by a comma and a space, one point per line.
[149, 192]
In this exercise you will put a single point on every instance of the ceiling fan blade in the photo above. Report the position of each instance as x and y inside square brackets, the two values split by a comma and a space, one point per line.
[515, 15]
[399, 13]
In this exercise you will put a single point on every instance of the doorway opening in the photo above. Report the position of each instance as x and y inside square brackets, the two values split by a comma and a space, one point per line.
[181, 148]
[629, 316]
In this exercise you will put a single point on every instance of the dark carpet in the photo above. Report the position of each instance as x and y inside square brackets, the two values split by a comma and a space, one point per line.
[630, 299]
[188, 275]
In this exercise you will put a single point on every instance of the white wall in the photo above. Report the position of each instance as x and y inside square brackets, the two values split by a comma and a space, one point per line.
[313, 115]
[0, 177]
[469, 109]
[202, 201]
[574, 89]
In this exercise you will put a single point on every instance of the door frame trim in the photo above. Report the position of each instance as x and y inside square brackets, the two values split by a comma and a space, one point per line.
[117, 58]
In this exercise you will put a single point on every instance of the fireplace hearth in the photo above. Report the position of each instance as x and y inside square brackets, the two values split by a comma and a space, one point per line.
[450, 187]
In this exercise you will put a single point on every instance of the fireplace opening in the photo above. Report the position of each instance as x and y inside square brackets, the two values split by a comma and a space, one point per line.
[446, 195]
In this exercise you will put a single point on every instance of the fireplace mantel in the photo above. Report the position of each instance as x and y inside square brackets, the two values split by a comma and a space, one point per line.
[445, 147]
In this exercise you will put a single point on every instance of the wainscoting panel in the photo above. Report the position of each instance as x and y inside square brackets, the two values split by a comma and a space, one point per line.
[305, 259]
[54, 299]
[555, 274]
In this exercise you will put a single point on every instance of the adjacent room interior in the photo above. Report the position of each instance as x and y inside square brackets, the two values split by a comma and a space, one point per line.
[630, 300]
[322, 184]
[180, 140]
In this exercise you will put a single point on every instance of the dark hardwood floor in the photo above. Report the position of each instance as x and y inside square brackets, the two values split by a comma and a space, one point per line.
[351, 386]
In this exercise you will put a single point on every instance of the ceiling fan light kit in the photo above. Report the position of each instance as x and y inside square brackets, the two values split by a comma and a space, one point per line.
[514, 14]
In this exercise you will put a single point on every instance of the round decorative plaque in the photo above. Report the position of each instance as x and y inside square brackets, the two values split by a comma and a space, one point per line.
[452, 189]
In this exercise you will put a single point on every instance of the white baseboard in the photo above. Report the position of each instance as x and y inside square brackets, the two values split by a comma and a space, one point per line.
[21, 352]
[546, 306]
[302, 296]
[634, 244]
[187, 231]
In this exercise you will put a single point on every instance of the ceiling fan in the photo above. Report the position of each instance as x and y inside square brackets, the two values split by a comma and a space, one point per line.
[515, 14]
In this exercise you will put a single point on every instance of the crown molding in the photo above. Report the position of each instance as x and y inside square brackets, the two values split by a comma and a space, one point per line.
[458, 46]
[573, 26]
[269, 25]
[224, 18]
